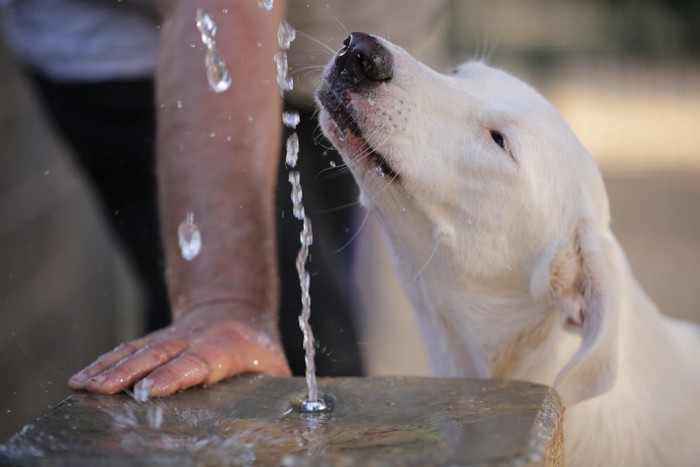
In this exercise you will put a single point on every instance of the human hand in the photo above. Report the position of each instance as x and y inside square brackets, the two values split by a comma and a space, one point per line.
[203, 347]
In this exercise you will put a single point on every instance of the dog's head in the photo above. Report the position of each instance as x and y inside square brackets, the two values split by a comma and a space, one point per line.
[478, 163]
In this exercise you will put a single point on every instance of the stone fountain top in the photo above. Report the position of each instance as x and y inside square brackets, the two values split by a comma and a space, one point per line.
[254, 420]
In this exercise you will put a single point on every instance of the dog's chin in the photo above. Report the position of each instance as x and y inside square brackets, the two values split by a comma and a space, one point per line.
[340, 126]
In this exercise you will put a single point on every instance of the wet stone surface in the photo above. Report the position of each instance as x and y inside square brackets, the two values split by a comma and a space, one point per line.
[254, 420]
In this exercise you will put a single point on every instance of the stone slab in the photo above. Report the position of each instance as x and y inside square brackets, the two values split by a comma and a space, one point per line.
[254, 420]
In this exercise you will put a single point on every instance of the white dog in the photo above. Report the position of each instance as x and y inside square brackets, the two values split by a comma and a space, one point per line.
[498, 222]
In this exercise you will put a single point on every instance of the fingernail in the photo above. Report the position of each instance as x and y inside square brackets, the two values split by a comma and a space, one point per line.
[99, 379]
[77, 379]
[142, 390]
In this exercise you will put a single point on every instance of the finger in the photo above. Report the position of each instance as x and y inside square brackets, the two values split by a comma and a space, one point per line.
[134, 367]
[209, 365]
[187, 370]
[79, 380]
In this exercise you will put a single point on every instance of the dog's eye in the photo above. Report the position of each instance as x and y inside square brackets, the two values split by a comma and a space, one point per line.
[498, 138]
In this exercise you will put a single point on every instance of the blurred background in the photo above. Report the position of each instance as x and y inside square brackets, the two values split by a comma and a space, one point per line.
[624, 73]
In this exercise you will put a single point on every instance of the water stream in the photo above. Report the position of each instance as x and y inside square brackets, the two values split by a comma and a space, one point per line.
[285, 36]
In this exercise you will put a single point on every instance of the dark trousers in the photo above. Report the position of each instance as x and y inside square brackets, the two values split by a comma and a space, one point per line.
[111, 128]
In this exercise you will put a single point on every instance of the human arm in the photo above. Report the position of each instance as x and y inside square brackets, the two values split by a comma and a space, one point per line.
[217, 158]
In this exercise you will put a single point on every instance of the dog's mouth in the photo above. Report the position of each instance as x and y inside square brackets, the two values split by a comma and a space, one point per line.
[349, 134]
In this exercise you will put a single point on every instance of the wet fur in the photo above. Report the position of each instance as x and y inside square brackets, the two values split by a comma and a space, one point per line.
[508, 259]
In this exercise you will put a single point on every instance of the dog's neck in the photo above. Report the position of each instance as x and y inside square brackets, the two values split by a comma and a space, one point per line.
[473, 326]
[482, 334]
[472, 334]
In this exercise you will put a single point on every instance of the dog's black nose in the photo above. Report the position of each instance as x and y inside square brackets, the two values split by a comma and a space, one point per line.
[364, 57]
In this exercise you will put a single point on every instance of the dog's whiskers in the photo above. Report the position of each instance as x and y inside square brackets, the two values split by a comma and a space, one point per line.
[420, 271]
[337, 20]
[325, 46]
[340, 208]
[378, 143]
[357, 233]
[307, 70]
[332, 172]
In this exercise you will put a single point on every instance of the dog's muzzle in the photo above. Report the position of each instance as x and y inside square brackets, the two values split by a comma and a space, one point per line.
[361, 65]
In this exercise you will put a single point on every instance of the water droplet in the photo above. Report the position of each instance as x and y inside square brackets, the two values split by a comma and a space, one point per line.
[212, 134]
[206, 26]
[291, 119]
[179, 104]
[376, 172]
[217, 74]
[285, 35]
[189, 238]
[284, 82]
[266, 4]
[292, 150]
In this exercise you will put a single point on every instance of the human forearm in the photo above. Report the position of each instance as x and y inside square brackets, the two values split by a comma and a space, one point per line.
[217, 155]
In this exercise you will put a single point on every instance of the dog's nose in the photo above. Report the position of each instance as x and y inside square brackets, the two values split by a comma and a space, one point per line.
[364, 57]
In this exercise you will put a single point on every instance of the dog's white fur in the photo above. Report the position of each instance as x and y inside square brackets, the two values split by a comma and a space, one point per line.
[509, 261]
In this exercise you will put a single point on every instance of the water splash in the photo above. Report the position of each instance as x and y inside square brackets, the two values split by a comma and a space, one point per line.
[266, 4]
[155, 417]
[142, 390]
[306, 239]
[317, 406]
[189, 238]
[286, 35]
[292, 150]
[218, 75]
[291, 119]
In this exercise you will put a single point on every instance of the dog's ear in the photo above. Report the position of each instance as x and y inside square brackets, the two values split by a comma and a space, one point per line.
[583, 282]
